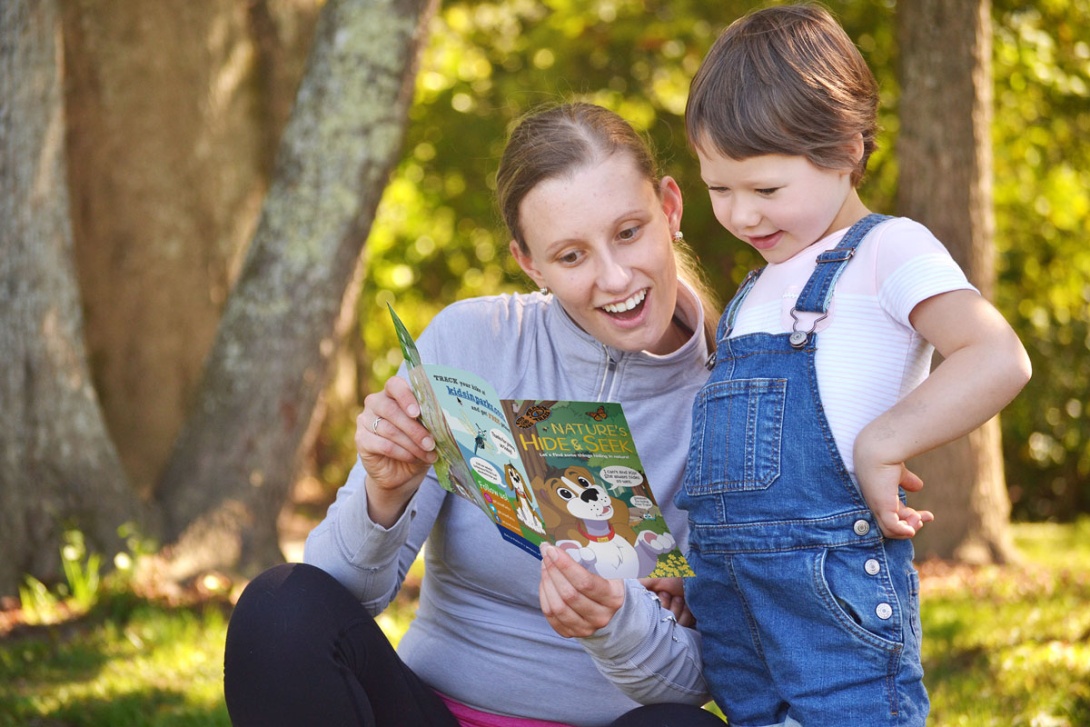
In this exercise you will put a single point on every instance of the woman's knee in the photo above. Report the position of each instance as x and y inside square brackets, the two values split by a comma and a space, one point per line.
[288, 606]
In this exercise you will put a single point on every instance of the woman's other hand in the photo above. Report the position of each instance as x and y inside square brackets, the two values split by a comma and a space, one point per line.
[575, 601]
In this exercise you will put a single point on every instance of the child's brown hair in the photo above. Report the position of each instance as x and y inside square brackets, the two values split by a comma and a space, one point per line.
[785, 80]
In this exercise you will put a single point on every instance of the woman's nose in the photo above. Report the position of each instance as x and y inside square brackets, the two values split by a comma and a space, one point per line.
[614, 274]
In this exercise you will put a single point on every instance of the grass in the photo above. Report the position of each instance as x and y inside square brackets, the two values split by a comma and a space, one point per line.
[127, 663]
[1011, 646]
[1003, 646]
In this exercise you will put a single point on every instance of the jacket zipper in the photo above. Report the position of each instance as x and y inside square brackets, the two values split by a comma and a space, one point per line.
[608, 376]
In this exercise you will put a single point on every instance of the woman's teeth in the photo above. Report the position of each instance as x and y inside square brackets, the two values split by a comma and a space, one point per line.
[626, 305]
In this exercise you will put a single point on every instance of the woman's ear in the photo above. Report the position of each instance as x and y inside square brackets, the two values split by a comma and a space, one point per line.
[672, 204]
[526, 262]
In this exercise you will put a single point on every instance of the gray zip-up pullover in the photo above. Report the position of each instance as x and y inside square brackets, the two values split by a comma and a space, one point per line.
[479, 635]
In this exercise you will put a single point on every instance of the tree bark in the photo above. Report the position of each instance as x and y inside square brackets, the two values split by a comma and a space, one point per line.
[945, 157]
[58, 466]
[231, 471]
[173, 111]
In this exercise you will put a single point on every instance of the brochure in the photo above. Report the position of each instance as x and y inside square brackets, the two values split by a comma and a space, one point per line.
[564, 472]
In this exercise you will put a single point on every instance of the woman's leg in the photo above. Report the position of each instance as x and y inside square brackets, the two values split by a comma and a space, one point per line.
[301, 650]
[668, 715]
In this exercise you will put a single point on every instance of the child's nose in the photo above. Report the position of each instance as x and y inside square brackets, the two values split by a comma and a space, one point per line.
[743, 214]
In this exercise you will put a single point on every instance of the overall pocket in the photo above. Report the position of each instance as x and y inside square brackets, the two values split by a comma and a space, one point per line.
[736, 439]
[856, 586]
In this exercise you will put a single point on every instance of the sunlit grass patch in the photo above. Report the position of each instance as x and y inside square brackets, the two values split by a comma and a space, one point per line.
[1010, 646]
[128, 663]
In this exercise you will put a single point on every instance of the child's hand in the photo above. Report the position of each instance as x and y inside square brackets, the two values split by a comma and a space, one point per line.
[879, 484]
[671, 594]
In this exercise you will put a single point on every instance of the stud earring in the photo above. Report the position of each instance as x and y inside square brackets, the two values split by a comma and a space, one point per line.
[543, 291]
[679, 236]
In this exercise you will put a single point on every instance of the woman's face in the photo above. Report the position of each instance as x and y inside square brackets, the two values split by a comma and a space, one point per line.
[601, 241]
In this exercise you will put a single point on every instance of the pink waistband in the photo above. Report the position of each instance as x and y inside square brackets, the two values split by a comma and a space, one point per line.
[469, 717]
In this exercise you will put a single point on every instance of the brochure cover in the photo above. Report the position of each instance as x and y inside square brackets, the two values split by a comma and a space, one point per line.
[565, 472]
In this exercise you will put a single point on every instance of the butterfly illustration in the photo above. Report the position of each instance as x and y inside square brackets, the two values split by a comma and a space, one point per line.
[598, 415]
[536, 413]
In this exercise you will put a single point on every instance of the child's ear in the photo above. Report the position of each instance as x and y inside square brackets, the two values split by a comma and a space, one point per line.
[856, 148]
[526, 262]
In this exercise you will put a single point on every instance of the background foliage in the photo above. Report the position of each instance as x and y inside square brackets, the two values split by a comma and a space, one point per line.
[439, 237]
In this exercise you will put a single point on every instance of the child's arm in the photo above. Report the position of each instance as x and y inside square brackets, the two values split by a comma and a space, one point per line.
[984, 366]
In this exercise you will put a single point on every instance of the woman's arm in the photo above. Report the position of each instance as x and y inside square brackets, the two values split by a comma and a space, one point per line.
[379, 520]
[371, 561]
[984, 367]
[635, 642]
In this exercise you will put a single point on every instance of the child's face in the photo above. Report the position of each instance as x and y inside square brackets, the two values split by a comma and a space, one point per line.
[600, 239]
[778, 204]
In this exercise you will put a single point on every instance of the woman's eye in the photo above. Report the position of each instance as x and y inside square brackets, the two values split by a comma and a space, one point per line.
[569, 258]
[629, 233]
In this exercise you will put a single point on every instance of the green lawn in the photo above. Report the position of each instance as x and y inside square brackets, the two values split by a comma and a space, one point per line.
[1002, 646]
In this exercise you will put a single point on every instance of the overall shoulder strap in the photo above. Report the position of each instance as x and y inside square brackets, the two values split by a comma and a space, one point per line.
[726, 322]
[818, 291]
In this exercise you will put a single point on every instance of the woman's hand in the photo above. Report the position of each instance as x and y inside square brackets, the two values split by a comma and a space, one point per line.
[395, 449]
[575, 601]
[671, 593]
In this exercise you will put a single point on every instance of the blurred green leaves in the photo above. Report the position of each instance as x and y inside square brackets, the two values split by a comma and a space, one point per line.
[439, 237]
[1042, 198]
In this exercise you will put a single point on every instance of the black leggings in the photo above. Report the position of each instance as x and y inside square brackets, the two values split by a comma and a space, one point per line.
[301, 650]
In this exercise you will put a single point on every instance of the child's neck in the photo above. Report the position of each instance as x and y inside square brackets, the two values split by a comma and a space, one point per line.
[851, 211]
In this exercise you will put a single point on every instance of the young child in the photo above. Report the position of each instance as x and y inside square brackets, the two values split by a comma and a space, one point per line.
[805, 591]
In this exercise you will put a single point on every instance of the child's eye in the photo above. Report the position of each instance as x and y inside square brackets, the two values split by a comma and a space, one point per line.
[718, 190]
[767, 191]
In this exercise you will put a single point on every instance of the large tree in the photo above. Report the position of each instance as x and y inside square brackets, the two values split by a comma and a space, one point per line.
[236, 458]
[58, 465]
[945, 156]
[173, 111]
[229, 472]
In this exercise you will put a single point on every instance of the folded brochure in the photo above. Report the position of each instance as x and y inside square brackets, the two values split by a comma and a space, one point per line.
[564, 472]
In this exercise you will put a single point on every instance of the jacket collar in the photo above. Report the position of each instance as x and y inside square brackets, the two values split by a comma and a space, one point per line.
[626, 375]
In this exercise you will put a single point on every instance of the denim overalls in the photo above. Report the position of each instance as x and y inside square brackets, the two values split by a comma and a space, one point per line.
[807, 614]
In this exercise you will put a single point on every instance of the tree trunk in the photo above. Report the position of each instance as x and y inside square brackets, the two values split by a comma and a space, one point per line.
[231, 471]
[173, 111]
[945, 157]
[58, 466]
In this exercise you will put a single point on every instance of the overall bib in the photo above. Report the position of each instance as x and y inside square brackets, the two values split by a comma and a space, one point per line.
[808, 615]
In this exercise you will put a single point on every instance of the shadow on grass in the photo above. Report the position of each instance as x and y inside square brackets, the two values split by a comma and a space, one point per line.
[129, 661]
[159, 707]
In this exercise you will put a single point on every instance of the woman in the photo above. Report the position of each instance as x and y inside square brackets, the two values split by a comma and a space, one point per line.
[499, 640]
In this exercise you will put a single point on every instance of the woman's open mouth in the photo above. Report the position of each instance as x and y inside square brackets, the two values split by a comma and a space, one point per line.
[627, 308]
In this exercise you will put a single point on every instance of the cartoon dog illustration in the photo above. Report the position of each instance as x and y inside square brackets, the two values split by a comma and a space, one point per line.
[524, 497]
[594, 528]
